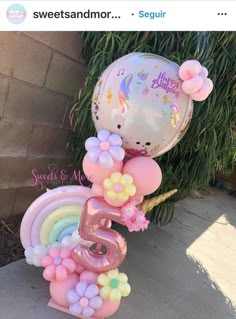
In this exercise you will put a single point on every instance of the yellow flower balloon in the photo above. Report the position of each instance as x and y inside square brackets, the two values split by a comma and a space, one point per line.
[114, 285]
[119, 187]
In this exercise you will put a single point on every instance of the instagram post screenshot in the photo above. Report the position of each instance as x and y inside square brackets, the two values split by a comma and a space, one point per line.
[117, 159]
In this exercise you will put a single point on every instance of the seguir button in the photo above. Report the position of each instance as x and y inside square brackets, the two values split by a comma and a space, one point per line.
[152, 14]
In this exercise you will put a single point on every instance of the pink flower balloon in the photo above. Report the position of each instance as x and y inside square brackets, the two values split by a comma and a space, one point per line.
[195, 80]
[58, 264]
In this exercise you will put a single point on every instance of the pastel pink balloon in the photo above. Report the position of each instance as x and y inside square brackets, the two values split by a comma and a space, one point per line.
[79, 268]
[136, 198]
[89, 276]
[46, 261]
[210, 84]
[196, 84]
[193, 85]
[69, 264]
[203, 93]
[96, 174]
[54, 252]
[189, 69]
[49, 272]
[97, 190]
[108, 309]
[59, 289]
[145, 172]
[65, 253]
[113, 202]
[61, 273]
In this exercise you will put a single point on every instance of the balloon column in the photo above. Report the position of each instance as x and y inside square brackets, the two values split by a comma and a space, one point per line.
[141, 107]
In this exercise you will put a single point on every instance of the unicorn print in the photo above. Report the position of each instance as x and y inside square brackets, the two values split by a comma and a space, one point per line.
[131, 83]
[175, 114]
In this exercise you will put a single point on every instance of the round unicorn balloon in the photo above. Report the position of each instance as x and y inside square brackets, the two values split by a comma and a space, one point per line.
[140, 97]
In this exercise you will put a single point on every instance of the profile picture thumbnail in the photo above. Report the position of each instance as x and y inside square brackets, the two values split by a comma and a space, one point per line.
[16, 14]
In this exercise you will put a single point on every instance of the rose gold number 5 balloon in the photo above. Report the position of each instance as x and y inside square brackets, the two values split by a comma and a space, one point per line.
[90, 229]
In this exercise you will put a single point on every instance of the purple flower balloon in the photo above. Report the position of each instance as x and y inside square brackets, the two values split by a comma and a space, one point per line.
[84, 299]
[105, 148]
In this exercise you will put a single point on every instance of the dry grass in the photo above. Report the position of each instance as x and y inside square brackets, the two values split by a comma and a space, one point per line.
[10, 246]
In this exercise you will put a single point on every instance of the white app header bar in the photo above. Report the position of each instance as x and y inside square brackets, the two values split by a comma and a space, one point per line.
[118, 16]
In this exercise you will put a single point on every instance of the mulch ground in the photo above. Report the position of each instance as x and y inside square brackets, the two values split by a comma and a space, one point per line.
[10, 246]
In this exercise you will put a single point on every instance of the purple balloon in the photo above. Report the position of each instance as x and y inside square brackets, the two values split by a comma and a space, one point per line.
[87, 312]
[81, 288]
[75, 309]
[115, 140]
[93, 154]
[96, 302]
[103, 135]
[91, 291]
[92, 142]
[117, 153]
[105, 160]
[72, 296]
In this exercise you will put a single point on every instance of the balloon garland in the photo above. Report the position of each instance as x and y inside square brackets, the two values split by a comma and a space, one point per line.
[141, 107]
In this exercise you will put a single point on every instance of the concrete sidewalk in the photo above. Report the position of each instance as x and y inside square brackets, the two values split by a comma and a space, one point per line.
[186, 270]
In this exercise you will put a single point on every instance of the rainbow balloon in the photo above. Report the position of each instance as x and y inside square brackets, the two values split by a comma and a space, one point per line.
[53, 216]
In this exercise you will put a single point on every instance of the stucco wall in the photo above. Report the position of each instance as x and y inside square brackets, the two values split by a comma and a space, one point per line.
[39, 74]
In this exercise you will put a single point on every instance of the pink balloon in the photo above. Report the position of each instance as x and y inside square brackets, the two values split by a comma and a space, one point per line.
[49, 273]
[90, 229]
[108, 309]
[204, 91]
[113, 202]
[196, 84]
[46, 261]
[59, 289]
[193, 85]
[136, 198]
[61, 273]
[79, 269]
[95, 173]
[97, 190]
[146, 174]
[69, 264]
[89, 276]
[189, 69]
